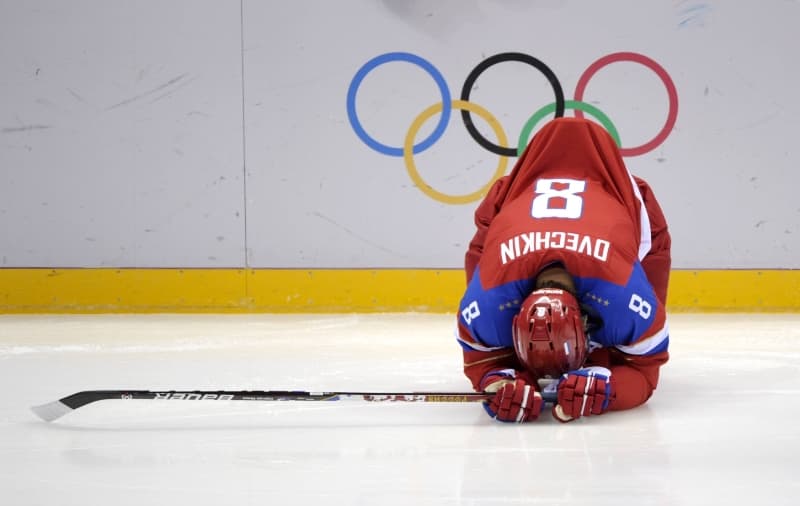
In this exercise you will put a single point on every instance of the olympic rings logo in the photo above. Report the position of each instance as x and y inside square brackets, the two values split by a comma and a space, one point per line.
[467, 108]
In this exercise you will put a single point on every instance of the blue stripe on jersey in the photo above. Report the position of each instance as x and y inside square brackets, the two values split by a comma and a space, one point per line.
[489, 314]
[627, 312]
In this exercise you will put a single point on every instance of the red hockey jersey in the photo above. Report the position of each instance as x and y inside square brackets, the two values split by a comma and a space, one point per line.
[570, 200]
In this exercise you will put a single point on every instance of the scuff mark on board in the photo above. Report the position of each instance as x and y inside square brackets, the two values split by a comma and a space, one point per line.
[692, 14]
[354, 235]
[149, 92]
[25, 128]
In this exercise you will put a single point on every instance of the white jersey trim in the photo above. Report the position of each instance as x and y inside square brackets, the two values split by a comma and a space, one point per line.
[475, 345]
[645, 240]
[645, 346]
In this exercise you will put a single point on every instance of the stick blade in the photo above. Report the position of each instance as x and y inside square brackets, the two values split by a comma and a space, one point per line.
[51, 411]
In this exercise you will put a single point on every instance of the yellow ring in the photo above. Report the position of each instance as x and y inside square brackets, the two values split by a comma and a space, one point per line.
[408, 153]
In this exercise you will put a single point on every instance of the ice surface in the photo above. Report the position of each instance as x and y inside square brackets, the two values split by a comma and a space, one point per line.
[722, 428]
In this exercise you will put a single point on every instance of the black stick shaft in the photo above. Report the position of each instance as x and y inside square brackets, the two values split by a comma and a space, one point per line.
[59, 408]
[82, 398]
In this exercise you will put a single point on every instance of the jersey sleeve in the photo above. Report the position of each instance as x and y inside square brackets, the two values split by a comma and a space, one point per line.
[634, 378]
[478, 364]
[634, 319]
[487, 314]
[658, 261]
[484, 214]
[484, 328]
[634, 338]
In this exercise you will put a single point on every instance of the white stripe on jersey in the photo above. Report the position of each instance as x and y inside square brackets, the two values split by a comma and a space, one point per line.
[645, 241]
[646, 345]
[474, 345]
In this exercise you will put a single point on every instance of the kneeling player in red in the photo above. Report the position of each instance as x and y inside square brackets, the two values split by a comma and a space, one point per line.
[567, 278]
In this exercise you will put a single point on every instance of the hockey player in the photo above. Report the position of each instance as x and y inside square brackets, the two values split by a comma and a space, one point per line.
[567, 278]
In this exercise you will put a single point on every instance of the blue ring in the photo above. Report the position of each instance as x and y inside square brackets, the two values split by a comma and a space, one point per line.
[427, 67]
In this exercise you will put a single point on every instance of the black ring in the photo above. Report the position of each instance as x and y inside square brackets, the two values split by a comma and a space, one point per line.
[485, 64]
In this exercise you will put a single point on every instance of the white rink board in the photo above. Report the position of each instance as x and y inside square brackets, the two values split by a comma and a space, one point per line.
[216, 134]
[120, 134]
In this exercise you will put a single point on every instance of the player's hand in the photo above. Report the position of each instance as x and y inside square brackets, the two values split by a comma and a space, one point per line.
[584, 392]
[514, 401]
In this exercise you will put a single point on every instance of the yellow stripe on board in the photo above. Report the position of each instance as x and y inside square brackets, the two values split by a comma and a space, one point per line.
[734, 290]
[337, 290]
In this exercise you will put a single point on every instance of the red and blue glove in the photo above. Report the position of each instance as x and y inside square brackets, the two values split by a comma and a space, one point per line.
[584, 392]
[514, 400]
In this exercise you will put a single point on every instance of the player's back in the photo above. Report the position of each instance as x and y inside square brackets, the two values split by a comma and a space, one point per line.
[570, 199]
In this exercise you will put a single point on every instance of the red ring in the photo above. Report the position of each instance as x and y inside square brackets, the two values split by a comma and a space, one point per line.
[672, 116]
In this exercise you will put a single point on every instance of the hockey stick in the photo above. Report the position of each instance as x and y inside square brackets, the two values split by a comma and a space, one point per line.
[56, 409]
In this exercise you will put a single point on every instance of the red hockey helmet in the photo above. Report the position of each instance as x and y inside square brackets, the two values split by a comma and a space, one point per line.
[548, 333]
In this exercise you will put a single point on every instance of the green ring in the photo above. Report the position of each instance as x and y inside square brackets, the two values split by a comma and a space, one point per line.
[568, 104]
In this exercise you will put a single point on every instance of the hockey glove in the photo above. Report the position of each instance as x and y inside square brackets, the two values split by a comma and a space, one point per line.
[584, 392]
[514, 401]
